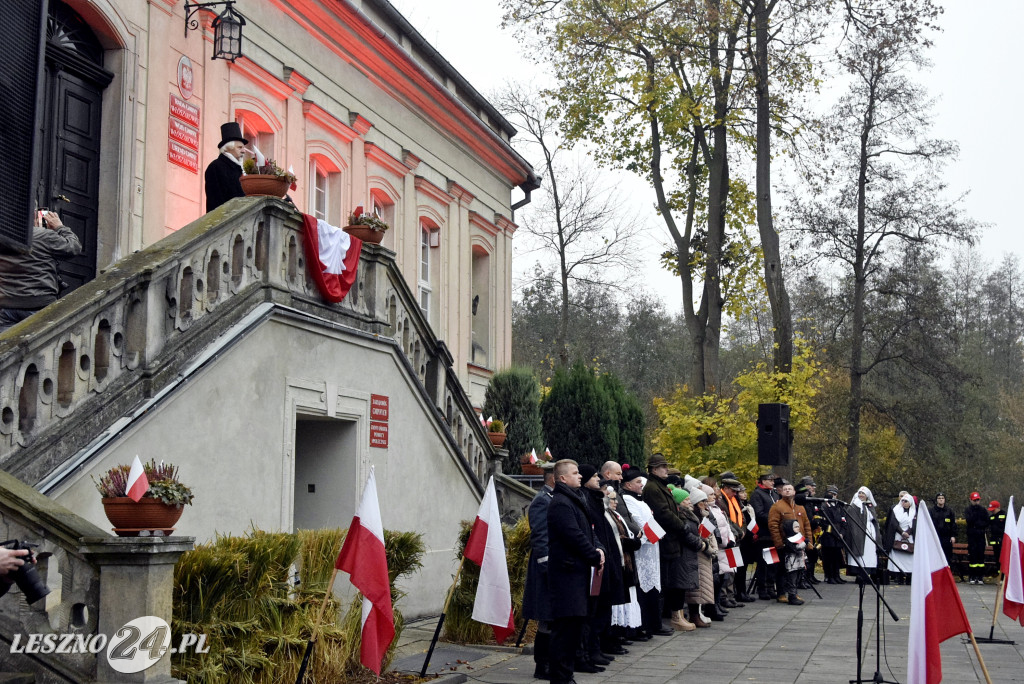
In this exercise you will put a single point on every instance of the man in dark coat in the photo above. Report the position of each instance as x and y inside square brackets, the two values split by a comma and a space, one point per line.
[833, 520]
[996, 526]
[612, 589]
[573, 553]
[536, 603]
[680, 545]
[762, 499]
[804, 489]
[944, 519]
[223, 173]
[977, 523]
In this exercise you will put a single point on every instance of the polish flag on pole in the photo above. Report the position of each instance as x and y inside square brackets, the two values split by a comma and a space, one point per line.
[332, 256]
[771, 556]
[936, 613]
[362, 557]
[138, 483]
[707, 528]
[653, 531]
[1010, 562]
[547, 453]
[734, 557]
[486, 548]
[752, 526]
[533, 455]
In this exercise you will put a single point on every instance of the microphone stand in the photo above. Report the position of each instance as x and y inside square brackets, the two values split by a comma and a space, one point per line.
[879, 599]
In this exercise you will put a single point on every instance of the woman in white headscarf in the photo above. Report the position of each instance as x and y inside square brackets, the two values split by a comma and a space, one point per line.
[862, 534]
[899, 538]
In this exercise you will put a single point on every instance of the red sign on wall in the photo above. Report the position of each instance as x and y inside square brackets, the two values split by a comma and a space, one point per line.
[379, 407]
[184, 111]
[186, 135]
[378, 435]
[182, 156]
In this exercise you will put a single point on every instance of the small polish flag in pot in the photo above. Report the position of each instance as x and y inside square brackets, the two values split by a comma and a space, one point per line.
[707, 528]
[771, 556]
[138, 483]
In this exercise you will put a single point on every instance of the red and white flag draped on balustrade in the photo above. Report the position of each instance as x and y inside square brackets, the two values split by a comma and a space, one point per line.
[486, 548]
[771, 555]
[1011, 562]
[734, 557]
[752, 526]
[362, 557]
[332, 257]
[653, 531]
[936, 613]
[138, 483]
[707, 528]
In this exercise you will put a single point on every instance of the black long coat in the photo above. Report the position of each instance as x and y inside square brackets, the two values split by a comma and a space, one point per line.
[762, 500]
[681, 543]
[613, 591]
[536, 602]
[222, 182]
[977, 523]
[572, 552]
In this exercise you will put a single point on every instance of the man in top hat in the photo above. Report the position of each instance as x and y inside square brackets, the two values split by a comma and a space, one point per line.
[224, 172]
[976, 518]
[536, 603]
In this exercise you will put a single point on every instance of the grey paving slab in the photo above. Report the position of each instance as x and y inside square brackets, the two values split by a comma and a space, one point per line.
[763, 642]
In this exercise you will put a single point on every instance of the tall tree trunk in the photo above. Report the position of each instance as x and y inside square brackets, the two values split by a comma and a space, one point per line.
[782, 316]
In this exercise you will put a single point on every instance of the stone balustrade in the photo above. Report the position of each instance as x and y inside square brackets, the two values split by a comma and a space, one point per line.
[75, 368]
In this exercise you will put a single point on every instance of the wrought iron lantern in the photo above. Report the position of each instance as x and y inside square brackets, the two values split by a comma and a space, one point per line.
[227, 28]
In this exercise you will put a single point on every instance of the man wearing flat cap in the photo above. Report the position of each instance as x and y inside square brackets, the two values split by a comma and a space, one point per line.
[223, 173]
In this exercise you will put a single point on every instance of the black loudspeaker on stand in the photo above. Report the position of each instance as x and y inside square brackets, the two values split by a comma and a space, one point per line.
[774, 438]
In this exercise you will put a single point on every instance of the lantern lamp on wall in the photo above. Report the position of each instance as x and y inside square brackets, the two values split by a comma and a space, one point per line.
[227, 28]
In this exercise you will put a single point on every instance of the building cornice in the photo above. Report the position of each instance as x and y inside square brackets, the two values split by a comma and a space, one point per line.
[425, 187]
[505, 225]
[297, 81]
[352, 36]
[261, 77]
[375, 154]
[475, 219]
[328, 121]
[460, 193]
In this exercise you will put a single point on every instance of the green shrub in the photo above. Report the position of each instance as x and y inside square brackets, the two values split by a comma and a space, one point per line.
[513, 395]
[237, 590]
[579, 418]
[629, 419]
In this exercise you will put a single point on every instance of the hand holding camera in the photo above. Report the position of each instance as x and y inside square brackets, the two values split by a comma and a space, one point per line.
[18, 555]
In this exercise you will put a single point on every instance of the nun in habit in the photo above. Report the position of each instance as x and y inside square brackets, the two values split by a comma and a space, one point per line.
[862, 534]
[900, 531]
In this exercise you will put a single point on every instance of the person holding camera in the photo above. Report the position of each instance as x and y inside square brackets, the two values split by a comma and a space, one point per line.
[29, 282]
[11, 560]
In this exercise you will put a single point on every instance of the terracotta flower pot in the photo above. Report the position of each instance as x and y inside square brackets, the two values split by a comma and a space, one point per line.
[264, 185]
[531, 469]
[497, 438]
[365, 234]
[130, 518]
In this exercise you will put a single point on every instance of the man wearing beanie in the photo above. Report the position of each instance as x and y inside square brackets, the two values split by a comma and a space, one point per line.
[944, 520]
[573, 552]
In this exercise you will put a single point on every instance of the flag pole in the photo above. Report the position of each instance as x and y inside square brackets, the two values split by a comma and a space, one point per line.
[440, 621]
[981, 661]
[316, 627]
[995, 615]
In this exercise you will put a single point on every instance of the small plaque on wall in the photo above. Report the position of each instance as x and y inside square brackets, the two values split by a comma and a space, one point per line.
[378, 435]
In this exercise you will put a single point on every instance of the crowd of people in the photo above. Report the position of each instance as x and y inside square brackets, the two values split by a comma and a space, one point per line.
[616, 550]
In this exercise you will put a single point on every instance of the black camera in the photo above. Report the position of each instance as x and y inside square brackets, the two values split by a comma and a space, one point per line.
[27, 577]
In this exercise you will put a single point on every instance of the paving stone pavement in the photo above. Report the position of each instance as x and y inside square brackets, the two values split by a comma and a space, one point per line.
[762, 642]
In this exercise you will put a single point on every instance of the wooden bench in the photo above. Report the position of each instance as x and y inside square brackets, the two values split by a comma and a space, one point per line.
[959, 565]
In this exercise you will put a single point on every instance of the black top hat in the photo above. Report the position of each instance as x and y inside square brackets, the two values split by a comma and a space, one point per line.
[229, 132]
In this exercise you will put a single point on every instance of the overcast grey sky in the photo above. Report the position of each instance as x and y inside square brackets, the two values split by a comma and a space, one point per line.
[978, 89]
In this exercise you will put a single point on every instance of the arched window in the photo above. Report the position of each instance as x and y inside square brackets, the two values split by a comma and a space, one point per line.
[257, 131]
[481, 338]
[430, 240]
[325, 189]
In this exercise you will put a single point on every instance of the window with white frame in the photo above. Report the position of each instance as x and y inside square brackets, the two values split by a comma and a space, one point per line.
[425, 288]
[320, 191]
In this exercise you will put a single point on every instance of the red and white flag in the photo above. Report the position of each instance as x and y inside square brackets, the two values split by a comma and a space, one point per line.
[734, 557]
[332, 257]
[138, 483]
[547, 453]
[653, 531]
[533, 455]
[771, 555]
[752, 526]
[936, 613]
[486, 548]
[1010, 562]
[707, 528]
[795, 539]
[362, 557]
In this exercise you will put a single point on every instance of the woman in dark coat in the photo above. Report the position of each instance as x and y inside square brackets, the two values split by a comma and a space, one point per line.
[679, 547]
[612, 590]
